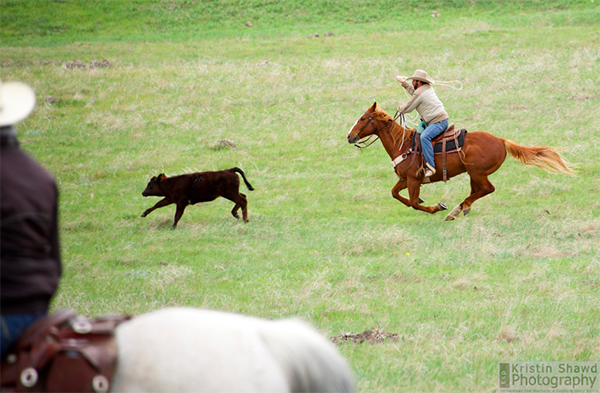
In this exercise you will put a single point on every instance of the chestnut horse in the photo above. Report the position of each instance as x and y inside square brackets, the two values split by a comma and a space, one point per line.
[481, 155]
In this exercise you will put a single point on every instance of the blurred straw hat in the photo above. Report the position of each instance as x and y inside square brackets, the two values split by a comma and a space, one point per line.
[17, 100]
[422, 76]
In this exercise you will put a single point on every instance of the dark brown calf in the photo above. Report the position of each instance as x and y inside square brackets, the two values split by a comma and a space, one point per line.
[198, 187]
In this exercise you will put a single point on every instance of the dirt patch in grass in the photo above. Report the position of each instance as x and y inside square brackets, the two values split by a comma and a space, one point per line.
[78, 64]
[584, 97]
[223, 144]
[374, 336]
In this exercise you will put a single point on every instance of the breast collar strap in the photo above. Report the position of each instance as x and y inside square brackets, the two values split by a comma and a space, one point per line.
[400, 158]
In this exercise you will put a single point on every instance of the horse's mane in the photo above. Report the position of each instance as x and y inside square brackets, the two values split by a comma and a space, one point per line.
[309, 361]
[397, 131]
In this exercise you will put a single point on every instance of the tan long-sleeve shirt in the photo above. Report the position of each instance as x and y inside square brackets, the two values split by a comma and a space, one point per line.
[426, 102]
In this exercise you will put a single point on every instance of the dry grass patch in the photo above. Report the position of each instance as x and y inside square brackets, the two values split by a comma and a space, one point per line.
[507, 333]
[171, 274]
[473, 281]
[556, 332]
[395, 240]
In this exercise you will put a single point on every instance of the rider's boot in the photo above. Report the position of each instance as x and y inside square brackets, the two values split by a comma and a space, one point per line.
[429, 171]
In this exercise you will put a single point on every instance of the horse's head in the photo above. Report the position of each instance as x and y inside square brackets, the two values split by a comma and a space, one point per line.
[370, 123]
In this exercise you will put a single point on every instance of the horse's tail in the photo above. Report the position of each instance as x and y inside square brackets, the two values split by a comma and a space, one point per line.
[238, 170]
[544, 157]
[309, 362]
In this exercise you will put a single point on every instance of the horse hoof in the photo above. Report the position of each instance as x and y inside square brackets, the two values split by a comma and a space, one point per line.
[421, 201]
[466, 211]
[442, 206]
[453, 213]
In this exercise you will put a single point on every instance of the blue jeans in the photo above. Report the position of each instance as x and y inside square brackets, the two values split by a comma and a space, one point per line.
[13, 326]
[432, 131]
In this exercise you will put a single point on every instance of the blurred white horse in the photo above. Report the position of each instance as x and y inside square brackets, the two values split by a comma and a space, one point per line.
[195, 350]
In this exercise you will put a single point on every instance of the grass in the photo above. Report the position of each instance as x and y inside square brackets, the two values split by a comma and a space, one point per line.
[516, 279]
[56, 22]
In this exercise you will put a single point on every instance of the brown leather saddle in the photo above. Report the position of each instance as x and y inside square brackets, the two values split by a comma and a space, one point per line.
[63, 352]
[450, 141]
[453, 138]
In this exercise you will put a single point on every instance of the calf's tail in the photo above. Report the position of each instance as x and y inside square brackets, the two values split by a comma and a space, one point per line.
[544, 157]
[238, 170]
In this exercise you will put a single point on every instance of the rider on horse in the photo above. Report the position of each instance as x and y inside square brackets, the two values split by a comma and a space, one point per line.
[431, 110]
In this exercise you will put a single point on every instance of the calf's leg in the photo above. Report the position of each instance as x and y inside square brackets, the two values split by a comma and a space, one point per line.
[240, 202]
[234, 211]
[179, 213]
[162, 203]
[244, 205]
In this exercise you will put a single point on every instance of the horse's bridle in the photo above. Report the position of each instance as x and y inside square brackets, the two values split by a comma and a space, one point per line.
[368, 142]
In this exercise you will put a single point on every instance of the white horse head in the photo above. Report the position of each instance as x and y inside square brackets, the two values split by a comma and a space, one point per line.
[195, 350]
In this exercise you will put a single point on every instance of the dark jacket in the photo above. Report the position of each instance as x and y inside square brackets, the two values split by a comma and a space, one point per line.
[30, 264]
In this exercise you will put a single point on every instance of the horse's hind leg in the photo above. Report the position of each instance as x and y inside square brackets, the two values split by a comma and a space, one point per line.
[476, 187]
[480, 187]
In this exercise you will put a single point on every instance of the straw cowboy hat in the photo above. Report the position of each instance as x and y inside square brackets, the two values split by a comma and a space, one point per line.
[17, 100]
[422, 76]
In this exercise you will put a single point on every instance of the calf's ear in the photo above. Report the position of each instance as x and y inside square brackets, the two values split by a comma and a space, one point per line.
[161, 176]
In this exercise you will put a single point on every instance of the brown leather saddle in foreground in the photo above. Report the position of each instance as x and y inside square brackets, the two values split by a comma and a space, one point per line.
[63, 353]
[450, 141]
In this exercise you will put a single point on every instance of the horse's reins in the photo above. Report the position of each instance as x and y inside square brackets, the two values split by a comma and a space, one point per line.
[403, 156]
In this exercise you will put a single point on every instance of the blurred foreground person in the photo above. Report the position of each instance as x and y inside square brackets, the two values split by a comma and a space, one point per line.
[30, 264]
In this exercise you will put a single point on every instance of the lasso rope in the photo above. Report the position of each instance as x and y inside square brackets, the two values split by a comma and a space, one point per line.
[450, 84]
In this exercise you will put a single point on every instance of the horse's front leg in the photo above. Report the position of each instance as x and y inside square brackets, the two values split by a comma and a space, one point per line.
[401, 185]
[414, 188]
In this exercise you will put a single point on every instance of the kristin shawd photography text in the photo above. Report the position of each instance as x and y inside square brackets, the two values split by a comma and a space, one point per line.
[544, 376]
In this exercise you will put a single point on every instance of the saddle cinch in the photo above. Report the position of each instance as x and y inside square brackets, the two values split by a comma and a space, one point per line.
[63, 352]
[450, 141]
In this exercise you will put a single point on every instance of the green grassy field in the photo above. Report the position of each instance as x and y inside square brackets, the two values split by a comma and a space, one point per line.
[516, 279]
